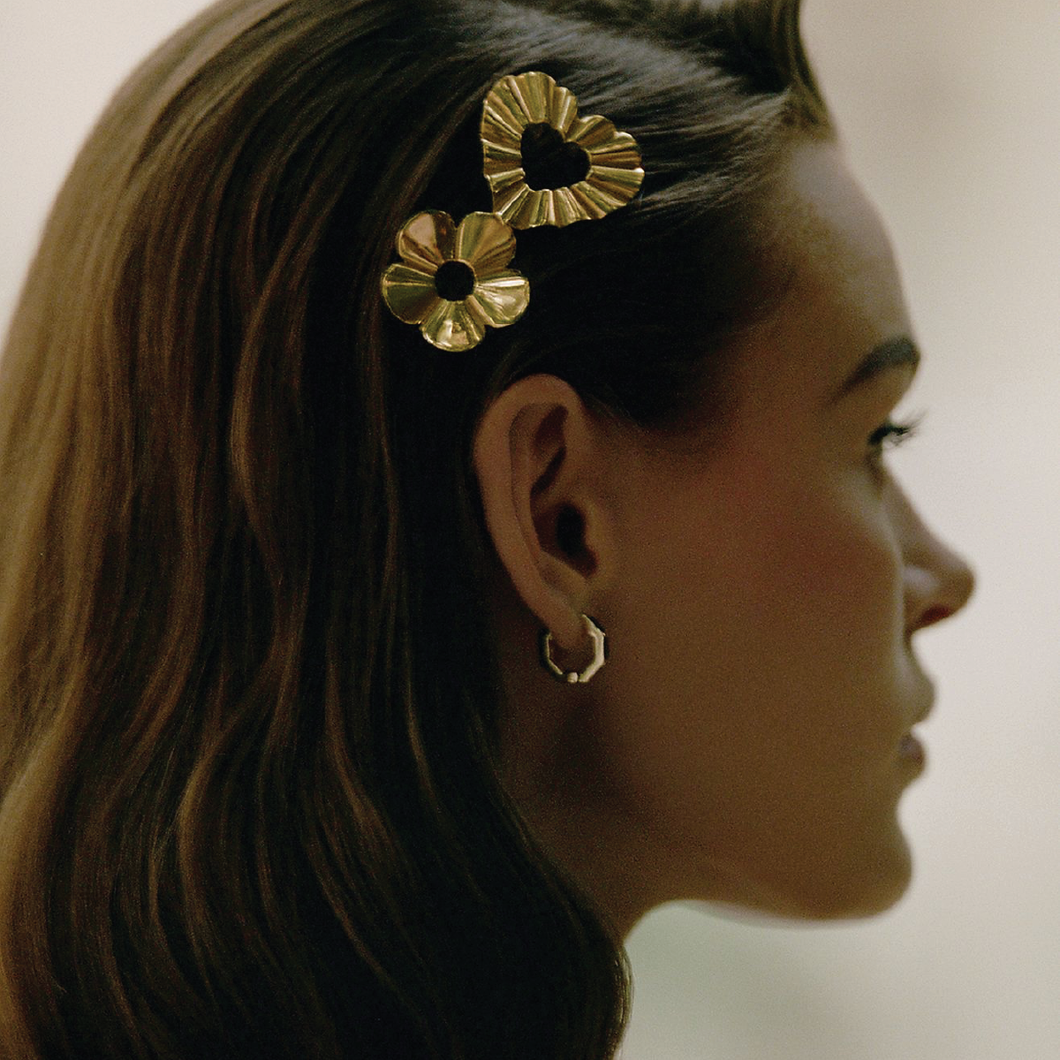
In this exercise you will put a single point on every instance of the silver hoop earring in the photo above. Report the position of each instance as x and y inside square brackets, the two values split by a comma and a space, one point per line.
[576, 677]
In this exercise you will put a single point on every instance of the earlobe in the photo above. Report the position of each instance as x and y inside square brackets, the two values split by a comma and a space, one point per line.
[535, 463]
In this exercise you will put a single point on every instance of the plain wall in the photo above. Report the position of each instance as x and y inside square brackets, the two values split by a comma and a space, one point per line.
[951, 115]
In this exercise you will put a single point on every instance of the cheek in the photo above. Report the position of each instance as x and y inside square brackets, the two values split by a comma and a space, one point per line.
[830, 572]
[732, 613]
[755, 693]
[793, 573]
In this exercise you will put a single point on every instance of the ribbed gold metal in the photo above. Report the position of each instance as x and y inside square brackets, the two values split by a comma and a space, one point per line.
[519, 100]
[484, 243]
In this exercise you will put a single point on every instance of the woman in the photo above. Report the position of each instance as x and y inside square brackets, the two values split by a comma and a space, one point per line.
[330, 414]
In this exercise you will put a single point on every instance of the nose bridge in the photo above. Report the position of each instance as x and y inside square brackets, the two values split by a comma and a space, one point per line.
[938, 579]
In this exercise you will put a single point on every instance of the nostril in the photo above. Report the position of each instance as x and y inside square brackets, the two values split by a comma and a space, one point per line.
[935, 594]
[935, 614]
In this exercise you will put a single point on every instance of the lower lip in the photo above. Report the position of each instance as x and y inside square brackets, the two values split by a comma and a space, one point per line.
[911, 750]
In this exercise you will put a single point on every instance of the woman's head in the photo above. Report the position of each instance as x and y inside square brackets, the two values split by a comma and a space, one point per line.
[749, 738]
[264, 647]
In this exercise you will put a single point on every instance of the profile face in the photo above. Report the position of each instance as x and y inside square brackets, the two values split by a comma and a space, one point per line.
[751, 731]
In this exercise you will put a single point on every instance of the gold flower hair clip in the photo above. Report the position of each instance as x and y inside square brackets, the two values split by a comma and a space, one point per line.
[545, 166]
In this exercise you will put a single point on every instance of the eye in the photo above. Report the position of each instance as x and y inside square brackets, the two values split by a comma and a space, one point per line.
[891, 434]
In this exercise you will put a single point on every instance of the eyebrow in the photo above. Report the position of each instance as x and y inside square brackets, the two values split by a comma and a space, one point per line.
[900, 352]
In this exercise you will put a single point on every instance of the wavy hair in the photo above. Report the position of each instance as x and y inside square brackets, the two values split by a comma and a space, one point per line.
[249, 694]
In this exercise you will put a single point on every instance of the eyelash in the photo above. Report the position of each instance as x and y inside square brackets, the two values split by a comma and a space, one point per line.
[890, 434]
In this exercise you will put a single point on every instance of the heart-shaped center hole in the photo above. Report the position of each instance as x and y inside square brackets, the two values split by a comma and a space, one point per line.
[549, 161]
[454, 280]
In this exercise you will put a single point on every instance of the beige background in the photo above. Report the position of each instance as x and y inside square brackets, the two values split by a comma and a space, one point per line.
[951, 114]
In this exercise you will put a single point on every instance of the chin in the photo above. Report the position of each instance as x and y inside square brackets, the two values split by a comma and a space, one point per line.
[859, 895]
[819, 907]
[859, 906]
[853, 889]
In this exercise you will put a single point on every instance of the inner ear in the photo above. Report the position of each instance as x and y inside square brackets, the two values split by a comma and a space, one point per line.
[561, 532]
[570, 537]
[548, 476]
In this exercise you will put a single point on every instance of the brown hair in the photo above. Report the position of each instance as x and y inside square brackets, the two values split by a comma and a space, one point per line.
[248, 694]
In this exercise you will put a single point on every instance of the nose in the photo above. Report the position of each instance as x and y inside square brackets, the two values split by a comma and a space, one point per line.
[938, 580]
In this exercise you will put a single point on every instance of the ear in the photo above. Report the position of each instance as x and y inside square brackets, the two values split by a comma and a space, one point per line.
[539, 459]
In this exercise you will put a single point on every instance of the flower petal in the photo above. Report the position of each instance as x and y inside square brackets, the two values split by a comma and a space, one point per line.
[452, 327]
[409, 292]
[501, 299]
[485, 242]
[426, 240]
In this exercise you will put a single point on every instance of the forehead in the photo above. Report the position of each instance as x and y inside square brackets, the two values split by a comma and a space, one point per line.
[834, 261]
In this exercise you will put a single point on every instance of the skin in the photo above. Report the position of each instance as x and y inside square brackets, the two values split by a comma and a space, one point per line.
[747, 741]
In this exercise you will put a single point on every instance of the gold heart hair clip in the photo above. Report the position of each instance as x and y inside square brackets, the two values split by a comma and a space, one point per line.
[545, 166]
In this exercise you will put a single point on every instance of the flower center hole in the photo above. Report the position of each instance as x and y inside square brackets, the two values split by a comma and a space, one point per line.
[549, 161]
[454, 281]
